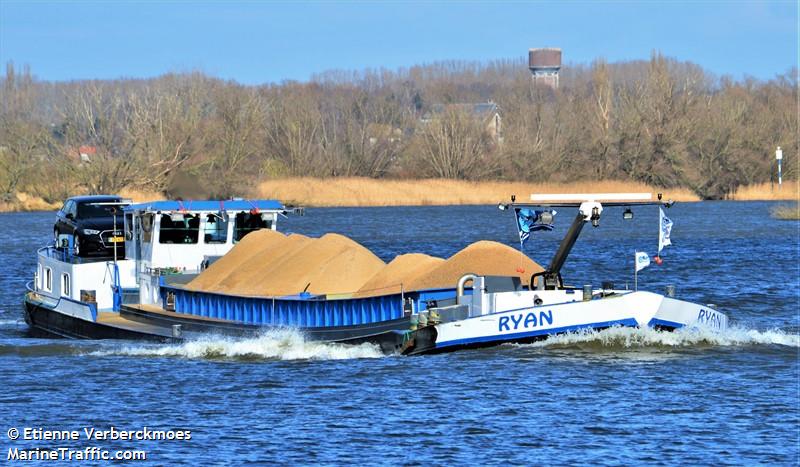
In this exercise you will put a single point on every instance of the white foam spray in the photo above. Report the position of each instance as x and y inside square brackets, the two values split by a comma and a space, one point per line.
[283, 344]
[12, 322]
[628, 337]
[287, 344]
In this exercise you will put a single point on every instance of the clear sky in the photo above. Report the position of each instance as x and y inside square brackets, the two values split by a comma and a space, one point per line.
[257, 42]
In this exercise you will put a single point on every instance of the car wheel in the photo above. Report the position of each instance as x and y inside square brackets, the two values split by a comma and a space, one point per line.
[76, 243]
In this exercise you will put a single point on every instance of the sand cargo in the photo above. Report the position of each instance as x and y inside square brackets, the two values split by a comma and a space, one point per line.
[271, 264]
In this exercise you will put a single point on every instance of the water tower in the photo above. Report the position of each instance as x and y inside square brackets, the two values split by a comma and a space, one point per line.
[545, 65]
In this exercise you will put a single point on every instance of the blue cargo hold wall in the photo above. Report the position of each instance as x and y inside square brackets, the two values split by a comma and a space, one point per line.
[285, 311]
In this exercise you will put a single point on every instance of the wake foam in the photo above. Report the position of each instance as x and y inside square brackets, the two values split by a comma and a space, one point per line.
[627, 337]
[12, 322]
[284, 344]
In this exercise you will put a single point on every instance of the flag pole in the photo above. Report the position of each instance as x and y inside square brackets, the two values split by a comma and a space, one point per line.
[519, 232]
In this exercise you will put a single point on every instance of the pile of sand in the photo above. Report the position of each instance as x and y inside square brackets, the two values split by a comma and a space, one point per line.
[268, 263]
[399, 274]
[251, 247]
[482, 258]
[247, 278]
[331, 264]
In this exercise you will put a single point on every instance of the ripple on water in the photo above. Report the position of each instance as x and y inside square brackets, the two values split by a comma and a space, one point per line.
[623, 396]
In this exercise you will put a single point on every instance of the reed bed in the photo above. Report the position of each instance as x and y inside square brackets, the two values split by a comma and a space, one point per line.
[786, 211]
[23, 202]
[358, 191]
[26, 202]
[354, 191]
[141, 196]
[790, 191]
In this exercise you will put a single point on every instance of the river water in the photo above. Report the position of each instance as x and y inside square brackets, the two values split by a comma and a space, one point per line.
[617, 396]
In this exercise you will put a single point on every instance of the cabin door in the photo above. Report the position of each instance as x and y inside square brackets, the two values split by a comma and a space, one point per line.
[137, 248]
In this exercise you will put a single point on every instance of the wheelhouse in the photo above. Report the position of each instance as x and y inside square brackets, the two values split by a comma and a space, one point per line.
[182, 234]
[161, 237]
[167, 237]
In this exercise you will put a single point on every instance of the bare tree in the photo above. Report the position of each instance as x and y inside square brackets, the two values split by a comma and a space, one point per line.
[101, 117]
[454, 145]
[236, 142]
[659, 121]
[293, 131]
[169, 126]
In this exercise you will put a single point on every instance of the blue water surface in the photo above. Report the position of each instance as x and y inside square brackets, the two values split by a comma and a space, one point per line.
[616, 397]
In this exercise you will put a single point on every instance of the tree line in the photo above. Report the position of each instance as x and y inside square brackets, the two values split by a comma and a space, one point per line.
[659, 121]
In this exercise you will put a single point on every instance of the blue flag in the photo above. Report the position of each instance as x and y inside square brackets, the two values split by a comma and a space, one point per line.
[531, 220]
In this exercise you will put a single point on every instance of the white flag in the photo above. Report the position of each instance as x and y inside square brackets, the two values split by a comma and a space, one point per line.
[642, 260]
[664, 230]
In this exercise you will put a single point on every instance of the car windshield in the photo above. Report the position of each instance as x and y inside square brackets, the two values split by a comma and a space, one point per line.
[91, 209]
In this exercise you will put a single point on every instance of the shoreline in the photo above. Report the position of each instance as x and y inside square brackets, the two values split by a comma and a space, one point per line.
[367, 192]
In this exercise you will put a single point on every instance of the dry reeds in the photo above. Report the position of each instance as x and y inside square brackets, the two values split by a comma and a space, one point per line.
[786, 211]
[355, 191]
[26, 202]
[768, 192]
[140, 196]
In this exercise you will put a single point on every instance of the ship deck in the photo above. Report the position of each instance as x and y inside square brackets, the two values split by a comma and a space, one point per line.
[158, 311]
[113, 319]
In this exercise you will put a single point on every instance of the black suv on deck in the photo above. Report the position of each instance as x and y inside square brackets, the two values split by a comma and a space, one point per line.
[91, 224]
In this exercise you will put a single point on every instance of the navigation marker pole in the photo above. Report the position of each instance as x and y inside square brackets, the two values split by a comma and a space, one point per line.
[779, 158]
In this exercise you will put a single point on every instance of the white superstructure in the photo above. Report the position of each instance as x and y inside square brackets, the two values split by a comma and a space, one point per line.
[161, 237]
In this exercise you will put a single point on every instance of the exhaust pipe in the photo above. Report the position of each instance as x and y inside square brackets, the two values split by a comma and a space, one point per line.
[462, 282]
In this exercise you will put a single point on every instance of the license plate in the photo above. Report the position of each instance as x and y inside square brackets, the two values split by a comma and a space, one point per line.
[116, 239]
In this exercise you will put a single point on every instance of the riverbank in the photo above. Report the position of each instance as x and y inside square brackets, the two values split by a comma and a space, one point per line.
[362, 192]
[23, 202]
[788, 191]
[357, 192]
[374, 192]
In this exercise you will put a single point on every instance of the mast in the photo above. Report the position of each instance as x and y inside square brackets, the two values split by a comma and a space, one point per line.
[589, 209]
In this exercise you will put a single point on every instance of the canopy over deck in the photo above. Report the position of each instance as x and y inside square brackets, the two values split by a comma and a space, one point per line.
[208, 205]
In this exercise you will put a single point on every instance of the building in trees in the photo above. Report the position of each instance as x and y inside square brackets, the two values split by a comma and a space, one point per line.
[486, 113]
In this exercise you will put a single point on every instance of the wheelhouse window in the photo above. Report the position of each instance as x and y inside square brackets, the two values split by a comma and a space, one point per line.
[147, 228]
[247, 222]
[48, 279]
[215, 229]
[65, 285]
[179, 228]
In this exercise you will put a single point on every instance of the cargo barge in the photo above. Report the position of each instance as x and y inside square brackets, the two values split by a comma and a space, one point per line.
[221, 267]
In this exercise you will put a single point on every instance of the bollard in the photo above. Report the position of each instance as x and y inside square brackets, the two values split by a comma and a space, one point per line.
[587, 292]
[176, 331]
[670, 291]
